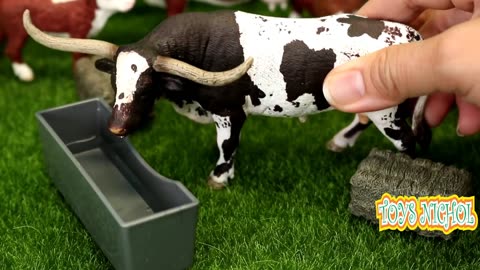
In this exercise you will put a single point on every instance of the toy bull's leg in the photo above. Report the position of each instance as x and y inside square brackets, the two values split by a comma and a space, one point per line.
[175, 7]
[228, 137]
[271, 6]
[13, 50]
[348, 136]
[394, 126]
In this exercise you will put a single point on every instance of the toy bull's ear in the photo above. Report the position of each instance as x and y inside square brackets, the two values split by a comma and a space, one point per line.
[105, 65]
[173, 84]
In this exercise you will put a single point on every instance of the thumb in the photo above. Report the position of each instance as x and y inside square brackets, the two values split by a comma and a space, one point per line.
[385, 78]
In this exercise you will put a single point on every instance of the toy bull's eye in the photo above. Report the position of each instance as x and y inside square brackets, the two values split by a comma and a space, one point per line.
[134, 67]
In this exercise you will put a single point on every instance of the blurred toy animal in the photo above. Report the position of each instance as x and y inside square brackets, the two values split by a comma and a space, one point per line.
[320, 8]
[173, 6]
[178, 6]
[223, 3]
[78, 18]
[291, 58]
[272, 4]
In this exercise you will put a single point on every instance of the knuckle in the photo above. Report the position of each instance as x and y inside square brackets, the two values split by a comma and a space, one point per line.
[442, 61]
[383, 75]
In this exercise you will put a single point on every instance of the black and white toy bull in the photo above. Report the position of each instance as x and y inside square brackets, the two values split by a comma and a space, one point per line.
[291, 58]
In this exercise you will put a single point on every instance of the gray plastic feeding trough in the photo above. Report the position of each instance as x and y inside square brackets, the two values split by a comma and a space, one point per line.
[140, 219]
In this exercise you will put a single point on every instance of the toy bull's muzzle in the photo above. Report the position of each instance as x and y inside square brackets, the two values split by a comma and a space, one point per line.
[124, 120]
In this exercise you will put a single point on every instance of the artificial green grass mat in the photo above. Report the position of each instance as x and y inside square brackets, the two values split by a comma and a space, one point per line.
[285, 209]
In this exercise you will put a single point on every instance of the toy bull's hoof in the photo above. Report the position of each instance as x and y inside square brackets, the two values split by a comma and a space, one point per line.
[302, 119]
[332, 146]
[23, 72]
[216, 185]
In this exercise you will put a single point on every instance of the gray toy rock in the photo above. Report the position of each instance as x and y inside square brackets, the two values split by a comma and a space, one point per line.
[90, 82]
[398, 174]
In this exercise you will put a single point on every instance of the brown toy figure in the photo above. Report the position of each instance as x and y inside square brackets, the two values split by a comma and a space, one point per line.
[223, 3]
[320, 8]
[272, 4]
[178, 6]
[77, 18]
[173, 7]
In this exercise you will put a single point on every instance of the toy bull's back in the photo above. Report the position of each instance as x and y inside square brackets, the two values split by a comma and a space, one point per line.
[291, 58]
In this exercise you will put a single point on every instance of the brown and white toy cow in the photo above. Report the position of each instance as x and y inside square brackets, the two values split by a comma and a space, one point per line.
[272, 4]
[177, 6]
[291, 58]
[78, 18]
[320, 8]
[173, 7]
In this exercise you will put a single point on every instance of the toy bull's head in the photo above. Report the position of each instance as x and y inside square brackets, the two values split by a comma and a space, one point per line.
[133, 74]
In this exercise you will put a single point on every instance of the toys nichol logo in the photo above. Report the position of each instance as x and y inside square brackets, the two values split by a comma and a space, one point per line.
[433, 213]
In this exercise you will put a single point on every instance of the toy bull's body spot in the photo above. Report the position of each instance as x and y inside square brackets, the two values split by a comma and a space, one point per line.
[194, 112]
[359, 26]
[314, 66]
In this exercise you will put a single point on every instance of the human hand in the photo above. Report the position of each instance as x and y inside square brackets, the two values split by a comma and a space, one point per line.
[444, 65]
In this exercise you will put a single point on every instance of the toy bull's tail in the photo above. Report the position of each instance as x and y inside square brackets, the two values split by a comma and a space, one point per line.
[421, 130]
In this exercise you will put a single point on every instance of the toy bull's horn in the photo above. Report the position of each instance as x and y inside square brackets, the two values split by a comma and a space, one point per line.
[182, 69]
[87, 46]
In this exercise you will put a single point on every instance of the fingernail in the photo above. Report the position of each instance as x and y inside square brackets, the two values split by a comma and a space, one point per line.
[459, 134]
[344, 88]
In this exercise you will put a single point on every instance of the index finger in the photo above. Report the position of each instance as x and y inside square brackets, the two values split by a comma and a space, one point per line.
[401, 10]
